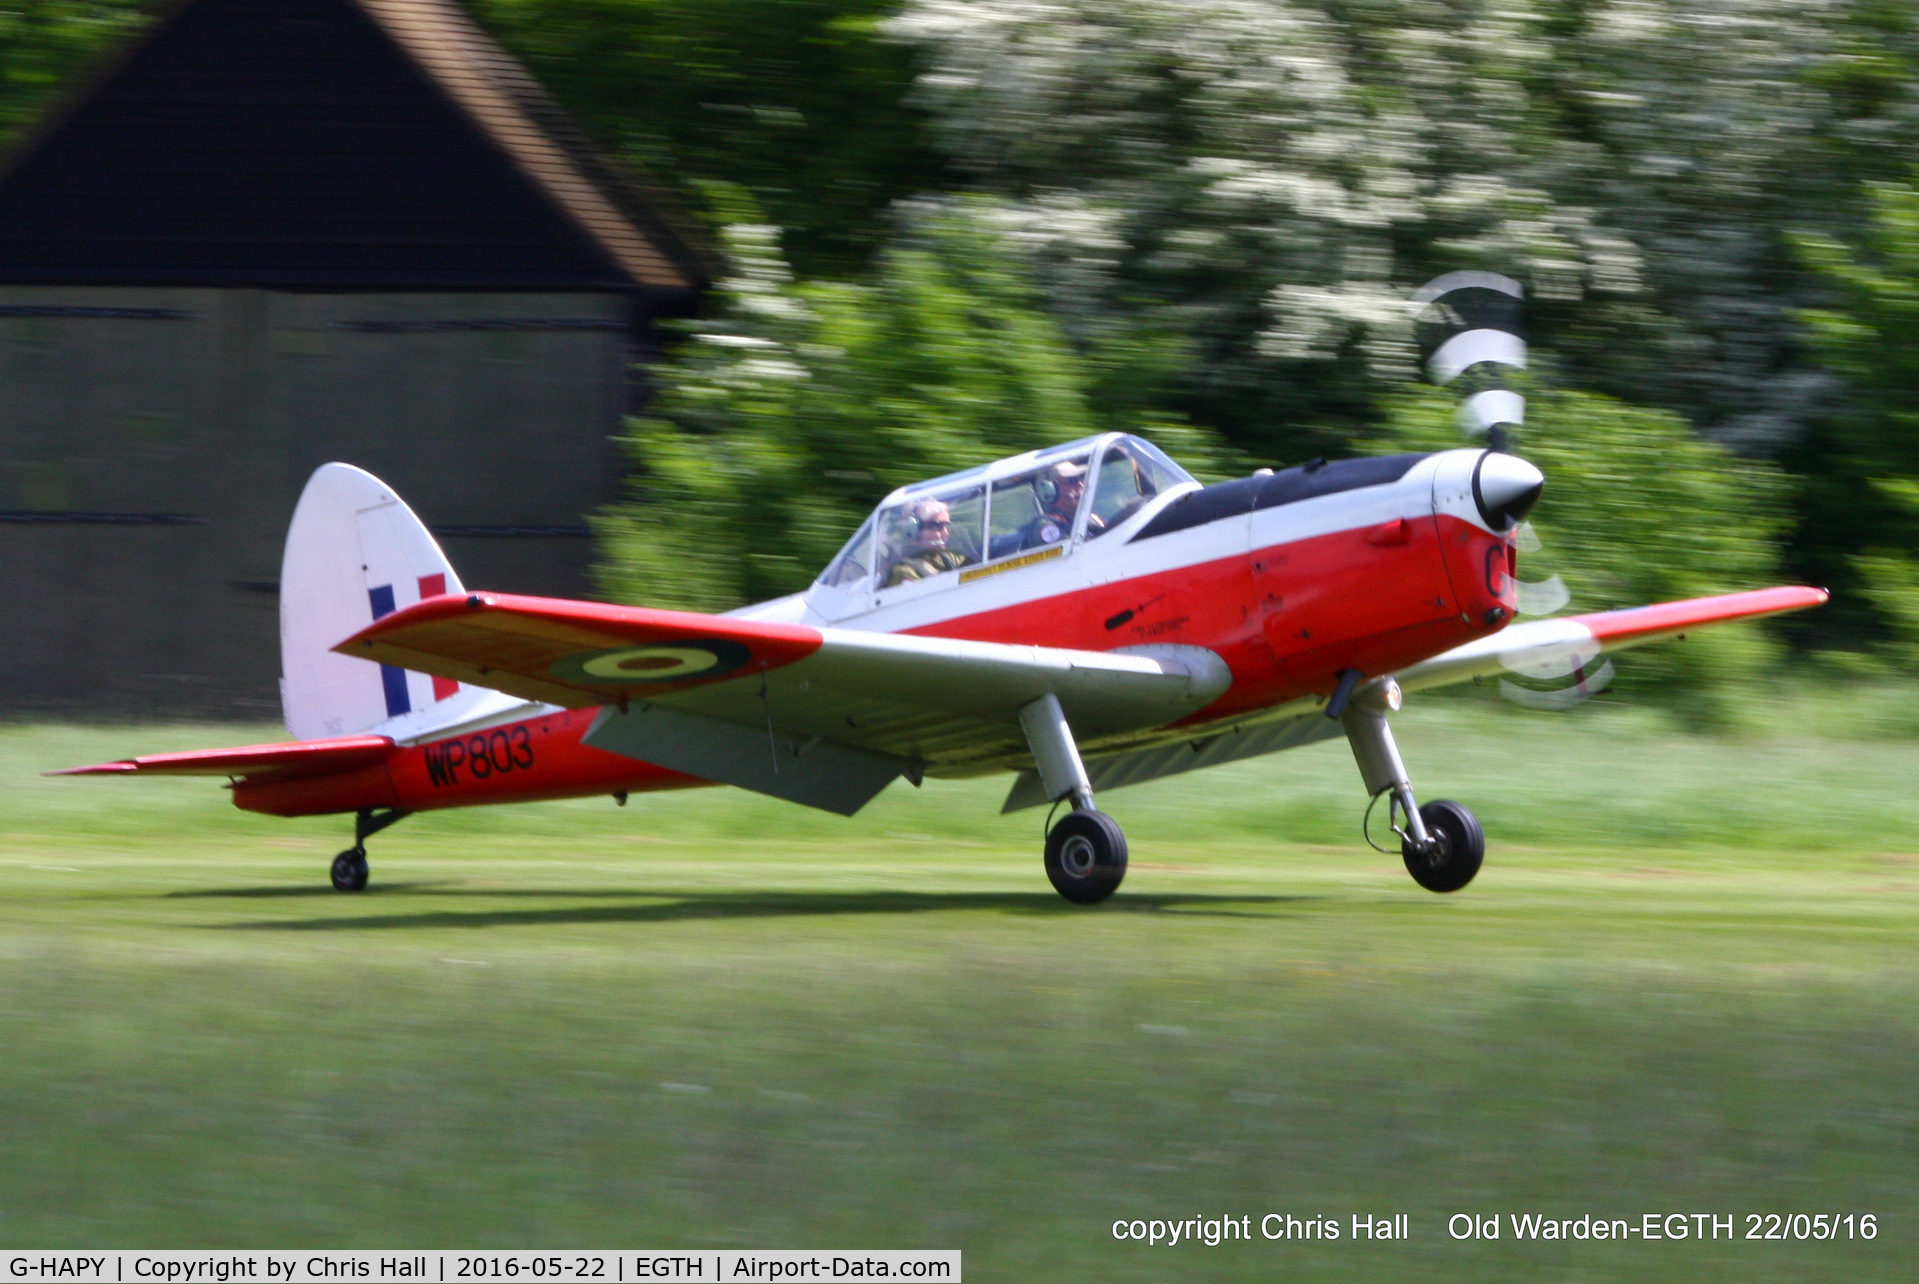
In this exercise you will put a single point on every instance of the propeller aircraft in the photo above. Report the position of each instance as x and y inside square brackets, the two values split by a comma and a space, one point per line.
[1086, 617]
[1156, 626]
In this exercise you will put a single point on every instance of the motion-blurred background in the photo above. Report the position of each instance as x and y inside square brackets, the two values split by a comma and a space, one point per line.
[653, 298]
[658, 296]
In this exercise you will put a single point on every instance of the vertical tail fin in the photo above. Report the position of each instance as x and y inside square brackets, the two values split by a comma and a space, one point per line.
[354, 553]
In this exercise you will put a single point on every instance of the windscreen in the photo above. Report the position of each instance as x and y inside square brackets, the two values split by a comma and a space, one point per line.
[1132, 472]
[855, 560]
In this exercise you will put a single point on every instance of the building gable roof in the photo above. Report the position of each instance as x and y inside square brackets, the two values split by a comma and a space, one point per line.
[330, 144]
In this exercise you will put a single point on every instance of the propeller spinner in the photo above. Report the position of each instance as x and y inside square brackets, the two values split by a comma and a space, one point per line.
[1505, 488]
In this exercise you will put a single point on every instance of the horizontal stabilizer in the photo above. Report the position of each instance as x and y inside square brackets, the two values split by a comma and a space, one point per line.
[252, 762]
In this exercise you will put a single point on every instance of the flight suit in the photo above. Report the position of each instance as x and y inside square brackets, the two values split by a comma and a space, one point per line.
[921, 566]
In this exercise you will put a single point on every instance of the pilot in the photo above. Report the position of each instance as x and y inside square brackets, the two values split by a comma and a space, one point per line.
[1055, 520]
[927, 555]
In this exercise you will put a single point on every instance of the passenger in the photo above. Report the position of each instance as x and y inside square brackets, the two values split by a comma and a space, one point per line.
[928, 554]
[1055, 520]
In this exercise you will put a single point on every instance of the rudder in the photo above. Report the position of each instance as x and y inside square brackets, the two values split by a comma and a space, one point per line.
[354, 553]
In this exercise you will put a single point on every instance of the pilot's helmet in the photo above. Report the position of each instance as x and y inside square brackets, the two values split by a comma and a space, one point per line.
[1049, 481]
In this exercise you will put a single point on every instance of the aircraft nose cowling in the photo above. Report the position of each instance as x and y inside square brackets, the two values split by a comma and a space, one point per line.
[1505, 487]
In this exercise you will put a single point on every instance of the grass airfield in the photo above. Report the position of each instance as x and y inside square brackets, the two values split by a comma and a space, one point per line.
[1687, 980]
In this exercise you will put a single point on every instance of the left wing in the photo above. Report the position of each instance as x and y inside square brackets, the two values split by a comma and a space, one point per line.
[825, 717]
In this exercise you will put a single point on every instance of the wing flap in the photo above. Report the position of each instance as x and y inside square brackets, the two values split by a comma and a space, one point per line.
[1538, 645]
[252, 762]
[811, 771]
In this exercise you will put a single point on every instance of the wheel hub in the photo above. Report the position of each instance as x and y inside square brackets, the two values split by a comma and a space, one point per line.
[1076, 856]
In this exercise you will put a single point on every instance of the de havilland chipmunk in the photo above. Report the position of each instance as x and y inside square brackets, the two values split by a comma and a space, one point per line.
[1086, 617]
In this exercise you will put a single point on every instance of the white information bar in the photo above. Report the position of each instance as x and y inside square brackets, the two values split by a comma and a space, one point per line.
[480, 1266]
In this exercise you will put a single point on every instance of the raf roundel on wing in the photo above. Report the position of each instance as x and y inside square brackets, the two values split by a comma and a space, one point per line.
[643, 665]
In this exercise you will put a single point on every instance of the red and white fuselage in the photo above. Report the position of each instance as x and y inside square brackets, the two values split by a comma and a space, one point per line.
[1373, 577]
[1154, 617]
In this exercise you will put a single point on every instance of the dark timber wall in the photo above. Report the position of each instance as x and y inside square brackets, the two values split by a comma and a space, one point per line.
[280, 234]
[218, 415]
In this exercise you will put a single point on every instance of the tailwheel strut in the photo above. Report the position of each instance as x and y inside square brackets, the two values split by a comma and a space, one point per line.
[350, 866]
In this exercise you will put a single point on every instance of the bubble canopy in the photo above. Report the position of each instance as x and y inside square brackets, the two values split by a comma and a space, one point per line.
[1079, 490]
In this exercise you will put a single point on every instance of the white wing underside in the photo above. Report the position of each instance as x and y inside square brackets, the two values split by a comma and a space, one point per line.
[1542, 649]
[833, 729]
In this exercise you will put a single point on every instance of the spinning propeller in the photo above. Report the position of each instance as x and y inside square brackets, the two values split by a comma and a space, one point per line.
[1468, 322]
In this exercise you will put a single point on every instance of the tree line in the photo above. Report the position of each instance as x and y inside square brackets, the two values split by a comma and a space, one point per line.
[955, 228]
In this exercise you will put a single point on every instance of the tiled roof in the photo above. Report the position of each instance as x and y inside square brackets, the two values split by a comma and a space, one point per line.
[383, 144]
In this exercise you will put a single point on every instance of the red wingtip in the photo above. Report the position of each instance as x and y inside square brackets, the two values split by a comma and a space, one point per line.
[1670, 617]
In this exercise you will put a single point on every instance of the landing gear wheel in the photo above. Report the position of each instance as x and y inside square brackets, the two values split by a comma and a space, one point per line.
[350, 871]
[1459, 846]
[1086, 857]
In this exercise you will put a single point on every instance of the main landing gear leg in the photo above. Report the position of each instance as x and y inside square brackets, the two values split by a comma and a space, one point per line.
[1085, 852]
[350, 867]
[1441, 842]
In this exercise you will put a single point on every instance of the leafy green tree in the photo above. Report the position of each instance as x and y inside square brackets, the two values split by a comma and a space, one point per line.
[42, 43]
[1637, 509]
[1862, 503]
[1708, 130]
[798, 101]
[781, 421]
[1259, 181]
[1253, 184]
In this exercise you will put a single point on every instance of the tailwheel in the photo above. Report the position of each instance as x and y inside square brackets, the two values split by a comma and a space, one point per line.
[350, 870]
[1086, 857]
[349, 867]
[1455, 847]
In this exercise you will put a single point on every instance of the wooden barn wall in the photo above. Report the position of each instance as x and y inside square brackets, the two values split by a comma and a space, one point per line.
[219, 415]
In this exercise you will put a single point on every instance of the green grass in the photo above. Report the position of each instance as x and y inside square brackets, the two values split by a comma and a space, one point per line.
[1685, 981]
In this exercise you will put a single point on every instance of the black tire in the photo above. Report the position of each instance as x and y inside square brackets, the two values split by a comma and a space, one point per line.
[1086, 857]
[1460, 846]
[350, 870]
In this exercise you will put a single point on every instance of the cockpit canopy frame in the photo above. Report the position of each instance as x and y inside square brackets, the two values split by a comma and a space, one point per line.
[1061, 496]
